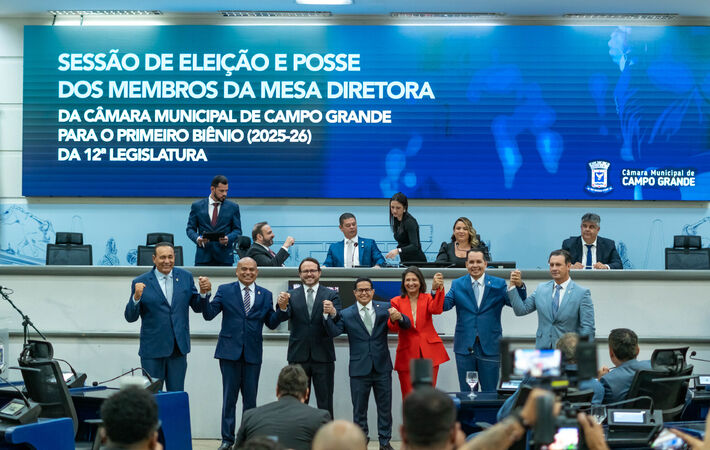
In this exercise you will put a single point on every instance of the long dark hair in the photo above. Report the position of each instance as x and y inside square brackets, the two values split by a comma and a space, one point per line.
[418, 273]
[401, 198]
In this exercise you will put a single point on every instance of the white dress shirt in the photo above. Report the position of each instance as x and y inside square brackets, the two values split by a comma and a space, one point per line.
[212, 205]
[368, 310]
[353, 243]
[584, 252]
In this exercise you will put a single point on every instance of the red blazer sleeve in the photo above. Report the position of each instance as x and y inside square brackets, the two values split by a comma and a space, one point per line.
[436, 304]
[394, 326]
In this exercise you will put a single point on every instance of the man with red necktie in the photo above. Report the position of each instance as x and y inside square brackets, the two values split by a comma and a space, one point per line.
[218, 217]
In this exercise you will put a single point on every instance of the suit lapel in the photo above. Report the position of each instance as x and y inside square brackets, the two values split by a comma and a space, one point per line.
[566, 299]
[486, 291]
[358, 318]
[156, 285]
[361, 252]
[406, 309]
[473, 294]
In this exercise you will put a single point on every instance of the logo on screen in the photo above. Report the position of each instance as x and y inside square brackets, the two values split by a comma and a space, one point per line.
[599, 178]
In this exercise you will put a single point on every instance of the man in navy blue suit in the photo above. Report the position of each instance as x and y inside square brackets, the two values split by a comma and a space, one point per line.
[161, 298]
[353, 250]
[215, 215]
[590, 251]
[479, 299]
[245, 309]
[370, 364]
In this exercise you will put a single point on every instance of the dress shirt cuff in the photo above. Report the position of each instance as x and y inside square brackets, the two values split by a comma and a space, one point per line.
[135, 302]
[285, 248]
[206, 294]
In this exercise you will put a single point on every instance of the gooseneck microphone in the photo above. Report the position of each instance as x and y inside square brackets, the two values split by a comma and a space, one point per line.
[692, 356]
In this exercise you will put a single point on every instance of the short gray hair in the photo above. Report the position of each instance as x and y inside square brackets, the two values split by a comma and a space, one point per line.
[567, 345]
[591, 217]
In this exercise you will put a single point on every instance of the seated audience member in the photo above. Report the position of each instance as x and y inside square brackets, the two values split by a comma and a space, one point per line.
[261, 443]
[590, 251]
[340, 435]
[288, 419]
[567, 345]
[260, 250]
[623, 350]
[130, 420]
[463, 240]
[353, 250]
[429, 421]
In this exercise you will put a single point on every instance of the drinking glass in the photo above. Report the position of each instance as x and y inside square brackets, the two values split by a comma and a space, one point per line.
[599, 413]
[472, 380]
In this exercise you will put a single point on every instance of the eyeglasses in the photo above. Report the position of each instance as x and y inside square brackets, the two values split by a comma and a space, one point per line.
[309, 271]
[363, 291]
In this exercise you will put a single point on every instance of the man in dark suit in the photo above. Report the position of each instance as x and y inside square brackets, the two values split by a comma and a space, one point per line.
[353, 250]
[161, 298]
[214, 215]
[260, 251]
[562, 305]
[479, 299]
[623, 350]
[370, 364]
[289, 420]
[590, 251]
[245, 308]
[309, 343]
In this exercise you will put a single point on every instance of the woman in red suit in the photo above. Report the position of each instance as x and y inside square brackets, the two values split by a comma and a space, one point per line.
[421, 340]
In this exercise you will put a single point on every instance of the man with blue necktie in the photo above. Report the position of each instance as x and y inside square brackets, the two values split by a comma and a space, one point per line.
[217, 216]
[245, 309]
[479, 299]
[353, 251]
[162, 298]
[562, 305]
[590, 251]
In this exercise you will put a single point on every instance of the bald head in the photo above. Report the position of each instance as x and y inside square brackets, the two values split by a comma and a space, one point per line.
[340, 435]
[247, 270]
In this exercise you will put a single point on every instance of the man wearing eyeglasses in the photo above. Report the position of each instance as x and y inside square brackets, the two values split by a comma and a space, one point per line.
[309, 344]
[366, 323]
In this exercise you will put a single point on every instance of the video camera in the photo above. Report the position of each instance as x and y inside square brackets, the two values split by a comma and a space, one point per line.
[548, 369]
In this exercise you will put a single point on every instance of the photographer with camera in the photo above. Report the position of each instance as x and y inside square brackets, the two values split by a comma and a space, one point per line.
[567, 345]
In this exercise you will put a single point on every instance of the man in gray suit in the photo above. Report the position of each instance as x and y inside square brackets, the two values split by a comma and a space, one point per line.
[562, 305]
[623, 350]
[293, 423]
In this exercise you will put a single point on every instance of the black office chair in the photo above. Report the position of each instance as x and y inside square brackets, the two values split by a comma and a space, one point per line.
[666, 388]
[242, 245]
[671, 359]
[144, 255]
[45, 385]
[156, 238]
[69, 250]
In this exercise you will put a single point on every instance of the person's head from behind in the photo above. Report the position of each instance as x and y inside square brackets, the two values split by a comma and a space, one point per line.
[429, 420]
[623, 345]
[292, 381]
[567, 345]
[348, 225]
[339, 435]
[130, 419]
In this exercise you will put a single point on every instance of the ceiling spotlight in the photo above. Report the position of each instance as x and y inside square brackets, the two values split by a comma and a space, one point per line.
[106, 12]
[230, 13]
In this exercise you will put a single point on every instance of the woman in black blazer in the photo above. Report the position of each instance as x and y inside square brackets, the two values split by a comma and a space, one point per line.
[463, 240]
[406, 232]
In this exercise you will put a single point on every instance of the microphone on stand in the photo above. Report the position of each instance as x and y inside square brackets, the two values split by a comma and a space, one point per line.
[692, 356]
